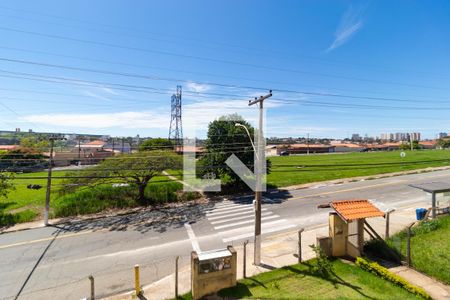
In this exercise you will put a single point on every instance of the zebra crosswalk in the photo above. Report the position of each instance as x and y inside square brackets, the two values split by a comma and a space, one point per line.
[234, 220]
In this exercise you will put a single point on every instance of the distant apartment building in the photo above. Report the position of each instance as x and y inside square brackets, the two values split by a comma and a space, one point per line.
[400, 136]
[356, 137]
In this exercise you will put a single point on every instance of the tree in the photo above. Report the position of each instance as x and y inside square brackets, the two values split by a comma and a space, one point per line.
[22, 160]
[156, 144]
[6, 184]
[407, 146]
[223, 139]
[136, 169]
[33, 142]
[443, 143]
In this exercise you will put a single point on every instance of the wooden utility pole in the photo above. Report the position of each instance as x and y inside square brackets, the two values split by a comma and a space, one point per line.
[258, 172]
[49, 179]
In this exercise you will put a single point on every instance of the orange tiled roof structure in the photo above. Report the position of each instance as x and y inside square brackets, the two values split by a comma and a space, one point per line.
[356, 209]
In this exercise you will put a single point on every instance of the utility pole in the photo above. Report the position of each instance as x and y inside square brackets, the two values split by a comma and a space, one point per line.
[260, 158]
[49, 179]
[411, 141]
[307, 143]
[122, 146]
[79, 149]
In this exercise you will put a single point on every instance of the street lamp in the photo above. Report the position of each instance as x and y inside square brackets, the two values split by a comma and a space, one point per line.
[249, 137]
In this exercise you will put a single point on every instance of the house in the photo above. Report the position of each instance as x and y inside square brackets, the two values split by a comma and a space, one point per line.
[99, 145]
[348, 147]
[9, 147]
[272, 150]
[428, 144]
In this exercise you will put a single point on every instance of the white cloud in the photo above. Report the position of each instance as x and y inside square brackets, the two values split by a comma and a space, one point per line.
[351, 22]
[198, 87]
[130, 120]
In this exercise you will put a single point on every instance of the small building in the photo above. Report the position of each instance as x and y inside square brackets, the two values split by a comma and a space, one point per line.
[9, 147]
[348, 147]
[347, 225]
[428, 144]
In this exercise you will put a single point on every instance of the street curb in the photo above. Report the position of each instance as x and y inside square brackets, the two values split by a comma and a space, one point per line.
[214, 199]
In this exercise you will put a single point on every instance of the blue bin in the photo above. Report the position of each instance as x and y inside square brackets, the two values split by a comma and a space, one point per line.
[420, 213]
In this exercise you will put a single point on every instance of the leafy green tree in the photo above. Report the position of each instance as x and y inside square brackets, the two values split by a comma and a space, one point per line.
[444, 143]
[33, 142]
[156, 144]
[223, 139]
[136, 169]
[6, 184]
[407, 146]
[22, 160]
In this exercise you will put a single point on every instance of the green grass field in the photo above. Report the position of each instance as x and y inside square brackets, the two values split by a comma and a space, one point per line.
[299, 169]
[430, 247]
[24, 205]
[300, 282]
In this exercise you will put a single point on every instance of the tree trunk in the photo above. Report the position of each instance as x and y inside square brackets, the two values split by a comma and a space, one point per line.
[141, 196]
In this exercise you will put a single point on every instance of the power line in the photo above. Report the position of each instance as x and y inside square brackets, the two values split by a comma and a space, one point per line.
[209, 59]
[154, 77]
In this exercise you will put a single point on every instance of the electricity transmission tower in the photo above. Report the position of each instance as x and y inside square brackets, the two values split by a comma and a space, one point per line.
[176, 128]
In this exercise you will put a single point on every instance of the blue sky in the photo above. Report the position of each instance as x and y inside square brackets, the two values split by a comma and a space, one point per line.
[336, 67]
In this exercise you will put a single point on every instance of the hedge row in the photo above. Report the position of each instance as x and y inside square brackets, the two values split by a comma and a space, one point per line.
[384, 273]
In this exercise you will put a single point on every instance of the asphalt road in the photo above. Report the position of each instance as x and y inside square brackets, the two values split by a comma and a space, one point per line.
[54, 262]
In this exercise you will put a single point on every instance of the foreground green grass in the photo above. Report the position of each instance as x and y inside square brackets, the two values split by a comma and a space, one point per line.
[299, 169]
[300, 282]
[430, 248]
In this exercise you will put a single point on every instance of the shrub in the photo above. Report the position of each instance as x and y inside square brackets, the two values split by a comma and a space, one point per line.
[323, 265]
[9, 219]
[426, 226]
[384, 273]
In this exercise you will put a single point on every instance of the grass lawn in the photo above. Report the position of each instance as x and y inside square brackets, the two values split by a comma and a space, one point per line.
[299, 169]
[300, 282]
[24, 205]
[430, 248]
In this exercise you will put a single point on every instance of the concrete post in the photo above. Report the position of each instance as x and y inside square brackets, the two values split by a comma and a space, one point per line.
[245, 259]
[300, 245]
[408, 245]
[176, 277]
[137, 284]
[388, 213]
[91, 278]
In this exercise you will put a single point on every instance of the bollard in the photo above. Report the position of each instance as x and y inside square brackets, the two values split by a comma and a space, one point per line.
[300, 245]
[137, 285]
[91, 278]
[176, 277]
[245, 259]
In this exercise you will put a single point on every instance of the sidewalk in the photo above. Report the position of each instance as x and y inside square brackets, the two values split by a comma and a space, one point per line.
[437, 290]
[278, 251]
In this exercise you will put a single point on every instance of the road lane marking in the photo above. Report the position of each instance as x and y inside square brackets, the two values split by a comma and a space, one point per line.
[234, 214]
[245, 222]
[50, 238]
[263, 231]
[250, 208]
[192, 237]
[240, 218]
[229, 208]
[347, 190]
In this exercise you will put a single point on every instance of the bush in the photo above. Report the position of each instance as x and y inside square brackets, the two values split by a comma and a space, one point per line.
[384, 273]
[9, 219]
[426, 226]
[323, 265]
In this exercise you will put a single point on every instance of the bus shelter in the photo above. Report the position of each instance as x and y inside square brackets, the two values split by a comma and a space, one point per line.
[435, 188]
